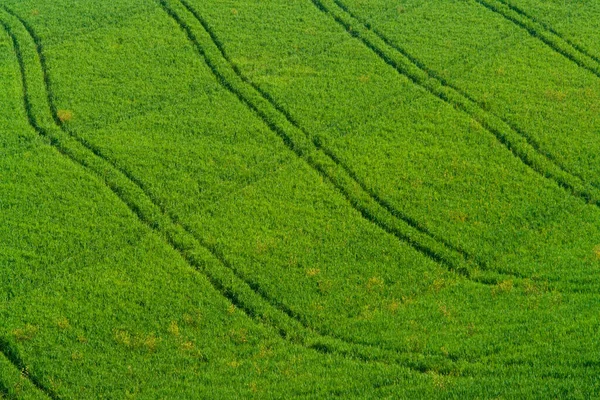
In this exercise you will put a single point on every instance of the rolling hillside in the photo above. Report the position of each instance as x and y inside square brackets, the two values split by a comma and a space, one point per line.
[299, 199]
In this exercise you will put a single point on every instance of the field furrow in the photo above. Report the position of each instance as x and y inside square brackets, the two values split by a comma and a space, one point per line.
[546, 34]
[550, 29]
[323, 160]
[299, 199]
[347, 170]
[518, 142]
[201, 256]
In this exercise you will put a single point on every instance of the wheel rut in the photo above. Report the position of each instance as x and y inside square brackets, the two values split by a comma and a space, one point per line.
[323, 160]
[549, 28]
[531, 141]
[12, 355]
[226, 280]
[544, 33]
[521, 145]
[6, 348]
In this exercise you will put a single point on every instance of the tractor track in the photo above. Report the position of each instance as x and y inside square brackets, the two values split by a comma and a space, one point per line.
[545, 34]
[300, 141]
[6, 348]
[225, 279]
[291, 144]
[54, 112]
[550, 37]
[329, 153]
[550, 29]
[531, 141]
[15, 359]
[516, 141]
[4, 392]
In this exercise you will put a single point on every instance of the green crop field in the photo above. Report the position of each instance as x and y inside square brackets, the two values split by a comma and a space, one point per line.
[361, 199]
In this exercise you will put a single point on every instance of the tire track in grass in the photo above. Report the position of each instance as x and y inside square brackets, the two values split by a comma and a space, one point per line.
[528, 138]
[516, 141]
[245, 295]
[4, 392]
[550, 29]
[544, 33]
[14, 384]
[6, 348]
[15, 359]
[387, 206]
[433, 74]
[54, 111]
[331, 168]
[299, 147]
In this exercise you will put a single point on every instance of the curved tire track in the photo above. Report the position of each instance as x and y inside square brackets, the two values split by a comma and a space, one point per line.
[6, 348]
[516, 141]
[225, 279]
[331, 168]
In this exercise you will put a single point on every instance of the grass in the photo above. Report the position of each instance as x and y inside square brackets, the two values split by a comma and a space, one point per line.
[297, 199]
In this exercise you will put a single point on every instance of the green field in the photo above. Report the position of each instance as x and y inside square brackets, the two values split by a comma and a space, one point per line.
[299, 199]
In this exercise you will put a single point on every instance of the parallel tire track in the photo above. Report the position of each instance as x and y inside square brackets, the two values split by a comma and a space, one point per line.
[315, 141]
[226, 280]
[547, 35]
[517, 142]
[321, 159]
[531, 141]
[345, 168]
[544, 33]
[549, 28]
[295, 139]
[6, 348]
